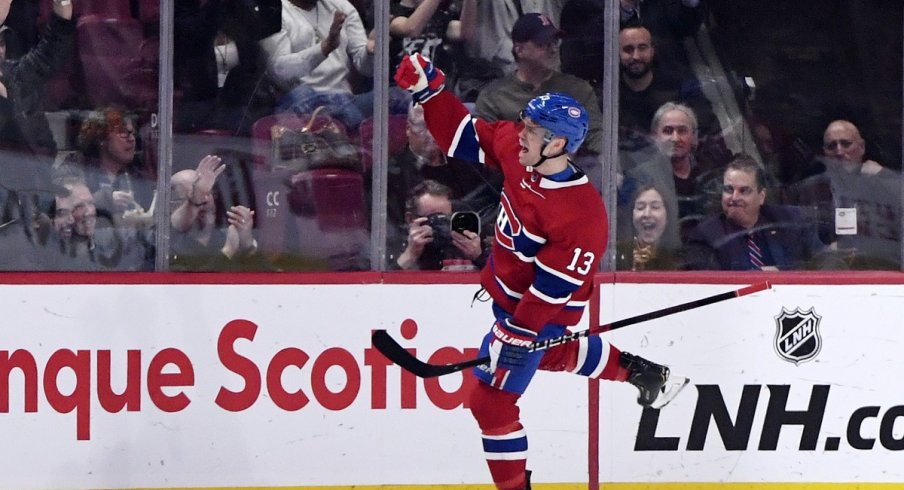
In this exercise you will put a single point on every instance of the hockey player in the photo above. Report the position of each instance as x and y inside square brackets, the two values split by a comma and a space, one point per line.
[550, 234]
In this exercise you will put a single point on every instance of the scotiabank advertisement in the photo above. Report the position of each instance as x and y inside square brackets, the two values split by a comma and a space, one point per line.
[174, 386]
[277, 385]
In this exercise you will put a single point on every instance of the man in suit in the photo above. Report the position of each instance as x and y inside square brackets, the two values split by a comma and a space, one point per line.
[748, 234]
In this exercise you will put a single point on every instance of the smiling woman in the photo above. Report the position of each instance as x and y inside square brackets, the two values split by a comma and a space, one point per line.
[648, 246]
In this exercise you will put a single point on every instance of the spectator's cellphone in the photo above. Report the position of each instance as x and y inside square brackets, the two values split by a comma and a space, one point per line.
[466, 220]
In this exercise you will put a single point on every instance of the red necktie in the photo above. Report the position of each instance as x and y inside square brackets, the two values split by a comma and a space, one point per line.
[754, 253]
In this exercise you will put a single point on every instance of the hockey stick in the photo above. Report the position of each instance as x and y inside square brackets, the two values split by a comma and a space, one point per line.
[397, 354]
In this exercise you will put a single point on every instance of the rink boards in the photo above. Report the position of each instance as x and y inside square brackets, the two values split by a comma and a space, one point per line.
[216, 385]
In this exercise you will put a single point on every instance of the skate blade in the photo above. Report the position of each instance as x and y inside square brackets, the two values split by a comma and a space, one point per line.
[669, 391]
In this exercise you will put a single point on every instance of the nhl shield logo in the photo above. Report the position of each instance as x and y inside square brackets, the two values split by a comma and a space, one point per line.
[797, 336]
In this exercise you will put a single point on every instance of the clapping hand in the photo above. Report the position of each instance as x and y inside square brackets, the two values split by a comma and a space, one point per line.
[209, 168]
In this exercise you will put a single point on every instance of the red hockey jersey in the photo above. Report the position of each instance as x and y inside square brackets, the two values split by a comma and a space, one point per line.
[549, 235]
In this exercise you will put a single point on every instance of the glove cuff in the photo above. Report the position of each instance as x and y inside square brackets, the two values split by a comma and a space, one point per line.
[427, 94]
[508, 333]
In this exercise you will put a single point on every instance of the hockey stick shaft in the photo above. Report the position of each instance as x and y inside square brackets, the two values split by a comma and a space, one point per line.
[397, 354]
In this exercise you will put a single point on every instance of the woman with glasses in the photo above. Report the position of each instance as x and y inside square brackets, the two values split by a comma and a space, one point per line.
[108, 141]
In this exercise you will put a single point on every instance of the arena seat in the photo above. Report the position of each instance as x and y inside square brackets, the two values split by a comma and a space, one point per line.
[107, 47]
[120, 9]
[149, 11]
[316, 215]
[397, 140]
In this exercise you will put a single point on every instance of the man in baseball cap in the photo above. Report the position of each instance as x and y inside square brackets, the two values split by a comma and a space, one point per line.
[535, 27]
[535, 47]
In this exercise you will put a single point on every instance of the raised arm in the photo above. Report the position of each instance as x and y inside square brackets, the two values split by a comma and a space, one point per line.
[457, 132]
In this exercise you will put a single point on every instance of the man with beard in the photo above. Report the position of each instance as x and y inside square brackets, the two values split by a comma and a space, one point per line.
[198, 244]
[749, 234]
[643, 89]
[535, 47]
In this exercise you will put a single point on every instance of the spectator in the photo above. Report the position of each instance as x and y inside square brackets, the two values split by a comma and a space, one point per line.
[113, 172]
[23, 126]
[675, 132]
[489, 53]
[668, 21]
[79, 244]
[861, 189]
[748, 234]
[219, 69]
[431, 244]
[24, 228]
[476, 187]
[643, 89]
[434, 28]
[536, 50]
[21, 31]
[647, 246]
[313, 57]
[197, 243]
[692, 181]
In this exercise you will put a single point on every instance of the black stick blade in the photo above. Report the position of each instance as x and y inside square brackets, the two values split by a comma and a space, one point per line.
[397, 354]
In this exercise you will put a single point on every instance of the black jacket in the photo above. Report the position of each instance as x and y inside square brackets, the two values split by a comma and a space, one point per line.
[23, 126]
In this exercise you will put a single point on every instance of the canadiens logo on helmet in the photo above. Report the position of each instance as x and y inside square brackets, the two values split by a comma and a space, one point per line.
[574, 112]
[797, 337]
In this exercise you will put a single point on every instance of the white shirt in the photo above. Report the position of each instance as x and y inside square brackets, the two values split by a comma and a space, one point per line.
[295, 54]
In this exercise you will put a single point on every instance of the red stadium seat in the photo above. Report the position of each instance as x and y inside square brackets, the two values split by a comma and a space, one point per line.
[108, 8]
[334, 196]
[107, 48]
[139, 87]
[119, 9]
[149, 11]
[397, 138]
[316, 215]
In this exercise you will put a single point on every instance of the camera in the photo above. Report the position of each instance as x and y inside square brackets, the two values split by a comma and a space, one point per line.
[443, 225]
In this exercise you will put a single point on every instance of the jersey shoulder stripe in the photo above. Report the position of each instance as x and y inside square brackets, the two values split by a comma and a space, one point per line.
[466, 144]
[553, 300]
[558, 274]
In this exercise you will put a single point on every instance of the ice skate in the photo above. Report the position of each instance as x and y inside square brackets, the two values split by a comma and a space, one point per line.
[656, 384]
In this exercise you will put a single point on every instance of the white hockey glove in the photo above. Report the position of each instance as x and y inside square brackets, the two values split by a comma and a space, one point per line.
[510, 346]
